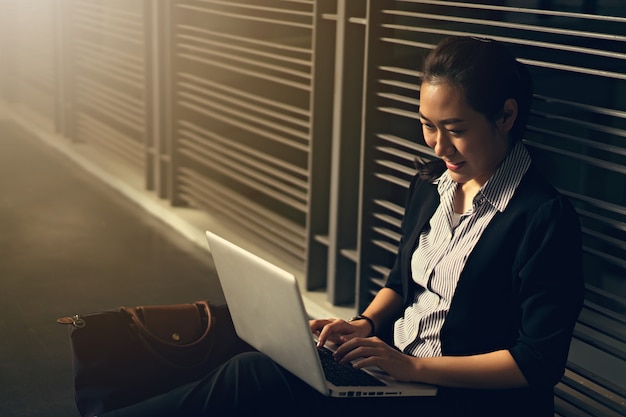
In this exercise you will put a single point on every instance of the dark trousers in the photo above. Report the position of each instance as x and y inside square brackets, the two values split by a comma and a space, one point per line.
[252, 384]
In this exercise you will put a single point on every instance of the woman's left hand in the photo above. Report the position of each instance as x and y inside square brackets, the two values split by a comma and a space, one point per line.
[372, 351]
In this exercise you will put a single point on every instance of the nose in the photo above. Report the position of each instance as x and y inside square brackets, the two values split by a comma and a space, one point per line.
[443, 146]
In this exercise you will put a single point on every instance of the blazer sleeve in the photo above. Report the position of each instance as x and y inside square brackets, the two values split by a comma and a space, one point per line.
[550, 291]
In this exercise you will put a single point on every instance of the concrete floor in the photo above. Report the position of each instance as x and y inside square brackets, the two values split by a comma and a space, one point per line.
[71, 244]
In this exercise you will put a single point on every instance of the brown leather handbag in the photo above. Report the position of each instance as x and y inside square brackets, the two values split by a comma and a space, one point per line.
[123, 356]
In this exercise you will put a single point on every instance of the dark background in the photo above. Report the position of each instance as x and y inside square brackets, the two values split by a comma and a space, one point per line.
[70, 244]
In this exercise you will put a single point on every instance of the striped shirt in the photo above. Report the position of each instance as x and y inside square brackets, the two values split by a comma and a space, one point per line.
[443, 248]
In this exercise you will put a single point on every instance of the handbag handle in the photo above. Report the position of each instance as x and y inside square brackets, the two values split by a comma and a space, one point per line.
[178, 313]
[190, 311]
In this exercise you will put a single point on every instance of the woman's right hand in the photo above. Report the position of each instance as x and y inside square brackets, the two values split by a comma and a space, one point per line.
[338, 331]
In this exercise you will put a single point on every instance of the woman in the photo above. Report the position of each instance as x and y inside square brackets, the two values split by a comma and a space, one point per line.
[487, 284]
[488, 269]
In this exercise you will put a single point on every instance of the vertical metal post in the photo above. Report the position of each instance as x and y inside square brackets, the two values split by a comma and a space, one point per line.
[60, 62]
[323, 44]
[151, 91]
[345, 153]
[335, 157]
[8, 17]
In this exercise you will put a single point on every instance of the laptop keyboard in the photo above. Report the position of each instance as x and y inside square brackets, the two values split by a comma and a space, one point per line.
[344, 374]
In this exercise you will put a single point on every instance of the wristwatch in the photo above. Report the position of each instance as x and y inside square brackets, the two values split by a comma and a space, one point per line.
[368, 320]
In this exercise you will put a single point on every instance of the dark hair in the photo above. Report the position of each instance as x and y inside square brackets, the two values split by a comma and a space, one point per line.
[486, 72]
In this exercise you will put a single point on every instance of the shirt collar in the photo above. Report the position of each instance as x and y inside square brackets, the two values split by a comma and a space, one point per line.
[499, 189]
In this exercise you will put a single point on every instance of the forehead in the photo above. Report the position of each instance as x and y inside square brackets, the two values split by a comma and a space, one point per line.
[443, 101]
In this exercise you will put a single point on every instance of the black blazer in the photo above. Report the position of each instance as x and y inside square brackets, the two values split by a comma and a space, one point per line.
[521, 289]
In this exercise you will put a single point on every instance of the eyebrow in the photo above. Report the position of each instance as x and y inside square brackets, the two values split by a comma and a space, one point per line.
[449, 121]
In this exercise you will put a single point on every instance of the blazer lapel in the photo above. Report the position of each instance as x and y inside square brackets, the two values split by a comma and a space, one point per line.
[421, 208]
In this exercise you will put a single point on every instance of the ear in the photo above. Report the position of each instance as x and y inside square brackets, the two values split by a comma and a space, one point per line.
[509, 115]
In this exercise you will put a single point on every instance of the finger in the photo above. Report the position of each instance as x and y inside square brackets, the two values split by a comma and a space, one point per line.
[316, 326]
[346, 349]
[333, 331]
[325, 332]
[359, 348]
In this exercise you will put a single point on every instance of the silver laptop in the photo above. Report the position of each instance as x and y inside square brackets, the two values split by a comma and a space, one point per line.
[269, 314]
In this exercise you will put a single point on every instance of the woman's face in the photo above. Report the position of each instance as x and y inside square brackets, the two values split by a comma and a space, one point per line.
[471, 146]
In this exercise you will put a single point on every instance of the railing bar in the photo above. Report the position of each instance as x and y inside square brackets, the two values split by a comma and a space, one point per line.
[132, 114]
[262, 182]
[256, 108]
[399, 112]
[517, 10]
[131, 104]
[396, 83]
[606, 294]
[614, 242]
[604, 205]
[257, 8]
[101, 8]
[230, 46]
[298, 205]
[593, 341]
[109, 72]
[116, 64]
[246, 95]
[388, 150]
[401, 71]
[390, 206]
[609, 331]
[587, 107]
[275, 233]
[91, 47]
[387, 233]
[606, 313]
[277, 68]
[614, 224]
[111, 15]
[243, 39]
[246, 157]
[399, 98]
[586, 142]
[531, 62]
[396, 167]
[105, 109]
[385, 218]
[130, 35]
[502, 24]
[227, 142]
[589, 125]
[278, 127]
[267, 135]
[574, 69]
[278, 80]
[112, 139]
[393, 180]
[245, 205]
[610, 166]
[621, 263]
[592, 376]
[308, 26]
[385, 245]
[197, 197]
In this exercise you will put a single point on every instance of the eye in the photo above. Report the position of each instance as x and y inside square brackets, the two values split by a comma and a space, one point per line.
[427, 125]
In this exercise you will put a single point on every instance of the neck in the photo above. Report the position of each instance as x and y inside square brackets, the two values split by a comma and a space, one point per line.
[464, 196]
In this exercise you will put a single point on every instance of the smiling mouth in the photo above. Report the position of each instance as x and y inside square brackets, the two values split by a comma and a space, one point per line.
[454, 166]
